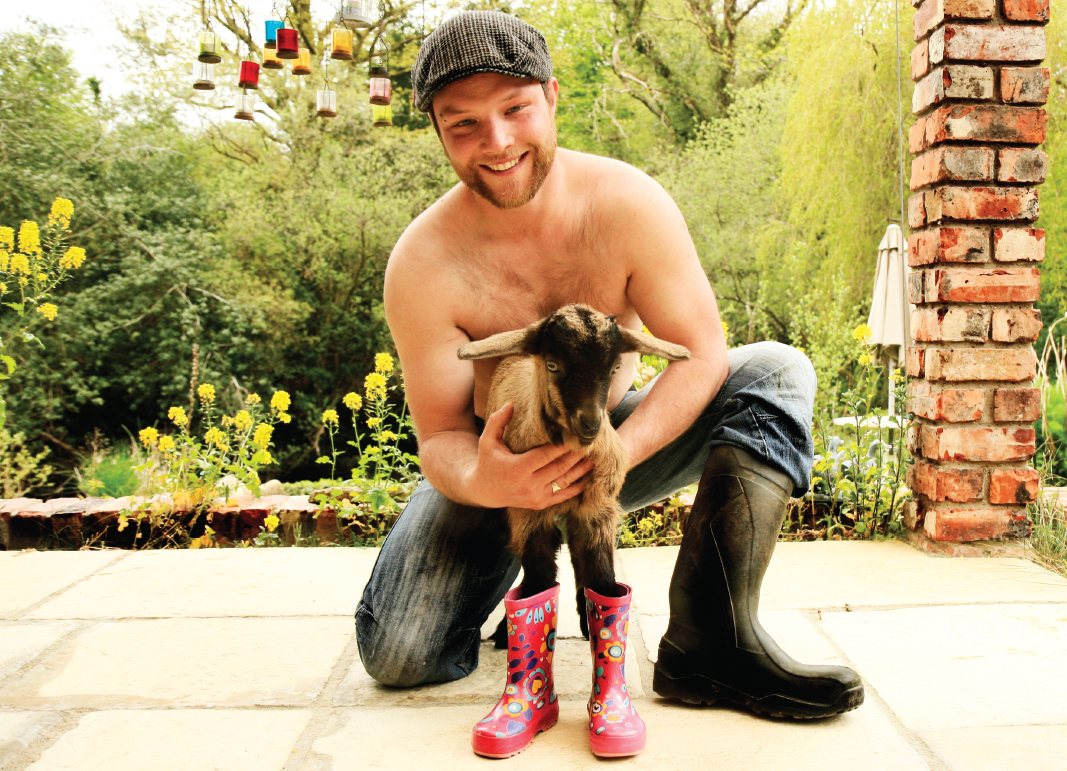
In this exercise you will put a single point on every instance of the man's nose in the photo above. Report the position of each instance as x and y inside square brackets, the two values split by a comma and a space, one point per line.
[498, 137]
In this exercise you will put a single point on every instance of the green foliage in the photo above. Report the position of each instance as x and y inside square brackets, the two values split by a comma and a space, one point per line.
[21, 469]
[1053, 302]
[109, 472]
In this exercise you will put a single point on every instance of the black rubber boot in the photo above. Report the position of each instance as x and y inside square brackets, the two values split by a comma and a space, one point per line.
[715, 648]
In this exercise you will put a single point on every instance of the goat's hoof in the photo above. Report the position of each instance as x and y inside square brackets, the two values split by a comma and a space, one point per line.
[500, 636]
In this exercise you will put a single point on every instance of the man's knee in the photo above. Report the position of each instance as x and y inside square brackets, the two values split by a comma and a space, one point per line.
[793, 367]
[404, 657]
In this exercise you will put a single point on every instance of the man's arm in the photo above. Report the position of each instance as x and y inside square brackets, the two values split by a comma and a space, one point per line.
[671, 294]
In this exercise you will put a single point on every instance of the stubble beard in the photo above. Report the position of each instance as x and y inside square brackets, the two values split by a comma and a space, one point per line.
[514, 193]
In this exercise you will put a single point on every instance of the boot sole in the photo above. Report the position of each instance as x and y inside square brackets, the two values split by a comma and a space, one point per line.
[695, 689]
[513, 752]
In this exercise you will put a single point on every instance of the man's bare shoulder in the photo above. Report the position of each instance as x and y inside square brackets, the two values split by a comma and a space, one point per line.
[428, 237]
[611, 181]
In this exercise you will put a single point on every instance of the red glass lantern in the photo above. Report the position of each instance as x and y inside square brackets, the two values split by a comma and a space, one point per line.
[249, 77]
[381, 90]
[271, 60]
[288, 43]
[302, 66]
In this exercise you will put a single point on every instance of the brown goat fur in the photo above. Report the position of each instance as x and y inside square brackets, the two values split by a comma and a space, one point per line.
[557, 373]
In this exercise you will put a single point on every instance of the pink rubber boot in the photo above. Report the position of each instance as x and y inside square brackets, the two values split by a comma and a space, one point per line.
[615, 728]
[529, 704]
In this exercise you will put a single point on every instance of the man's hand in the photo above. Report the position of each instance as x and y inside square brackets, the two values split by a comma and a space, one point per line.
[502, 478]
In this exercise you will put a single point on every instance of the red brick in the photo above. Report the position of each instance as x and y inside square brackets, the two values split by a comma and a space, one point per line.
[914, 513]
[962, 525]
[955, 81]
[917, 287]
[962, 364]
[917, 136]
[968, 42]
[961, 485]
[933, 325]
[982, 203]
[1013, 485]
[952, 443]
[1024, 85]
[913, 359]
[1021, 405]
[952, 163]
[986, 123]
[933, 12]
[948, 245]
[1016, 325]
[954, 405]
[1027, 10]
[916, 211]
[992, 285]
[1022, 164]
[1019, 244]
[913, 438]
[920, 60]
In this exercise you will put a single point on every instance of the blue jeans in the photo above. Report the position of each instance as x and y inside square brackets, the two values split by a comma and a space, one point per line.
[445, 566]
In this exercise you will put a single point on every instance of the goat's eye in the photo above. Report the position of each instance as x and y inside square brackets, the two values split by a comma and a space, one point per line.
[551, 366]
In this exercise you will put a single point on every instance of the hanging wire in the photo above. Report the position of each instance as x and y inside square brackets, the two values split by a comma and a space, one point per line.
[900, 121]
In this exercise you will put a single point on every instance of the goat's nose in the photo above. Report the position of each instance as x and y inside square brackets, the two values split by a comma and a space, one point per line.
[590, 423]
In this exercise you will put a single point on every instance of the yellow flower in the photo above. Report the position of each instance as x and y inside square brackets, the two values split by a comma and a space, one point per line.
[216, 437]
[5, 259]
[284, 417]
[383, 362]
[252, 399]
[20, 263]
[7, 238]
[42, 277]
[29, 237]
[62, 211]
[48, 310]
[226, 421]
[271, 522]
[280, 401]
[263, 458]
[353, 401]
[725, 329]
[374, 422]
[896, 377]
[177, 414]
[862, 333]
[149, 437]
[329, 416]
[207, 392]
[866, 359]
[262, 434]
[3, 288]
[72, 258]
[242, 420]
[166, 443]
[375, 385]
[388, 436]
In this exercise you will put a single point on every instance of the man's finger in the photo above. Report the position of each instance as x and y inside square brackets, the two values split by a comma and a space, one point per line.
[559, 467]
[547, 454]
[567, 493]
[498, 421]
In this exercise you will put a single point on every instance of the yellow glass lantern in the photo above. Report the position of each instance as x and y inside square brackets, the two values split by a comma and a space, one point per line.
[302, 65]
[246, 107]
[326, 103]
[341, 44]
[383, 115]
[209, 48]
[271, 60]
[359, 13]
[203, 76]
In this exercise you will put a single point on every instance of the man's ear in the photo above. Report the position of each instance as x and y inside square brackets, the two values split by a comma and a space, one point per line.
[510, 343]
[647, 344]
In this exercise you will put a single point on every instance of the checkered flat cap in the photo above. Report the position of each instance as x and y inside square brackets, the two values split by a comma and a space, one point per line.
[478, 41]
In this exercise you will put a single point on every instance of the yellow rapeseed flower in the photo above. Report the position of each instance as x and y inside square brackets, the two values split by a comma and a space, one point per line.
[862, 333]
[5, 260]
[388, 436]
[29, 237]
[166, 443]
[207, 392]
[226, 421]
[280, 401]
[177, 414]
[329, 416]
[262, 434]
[375, 385]
[353, 401]
[271, 522]
[242, 420]
[284, 417]
[48, 310]
[866, 359]
[20, 263]
[725, 329]
[265, 458]
[149, 436]
[72, 258]
[252, 399]
[383, 362]
[62, 211]
[216, 437]
[42, 277]
[7, 238]
[374, 422]
[3, 289]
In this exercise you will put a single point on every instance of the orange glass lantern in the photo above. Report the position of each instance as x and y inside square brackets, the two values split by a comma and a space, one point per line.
[203, 76]
[249, 75]
[271, 60]
[326, 103]
[246, 107]
[272, 27]
[209, 48]
[302, 65]
[383, 115]
[288, 43]
[341, 44]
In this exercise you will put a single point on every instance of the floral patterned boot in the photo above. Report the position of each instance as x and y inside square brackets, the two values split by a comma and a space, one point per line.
[529, 704]
[615, 728]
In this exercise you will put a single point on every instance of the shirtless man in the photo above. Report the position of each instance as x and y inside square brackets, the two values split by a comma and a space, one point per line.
[530, 228]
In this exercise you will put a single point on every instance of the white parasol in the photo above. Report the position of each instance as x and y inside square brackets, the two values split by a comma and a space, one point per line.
[889, 319]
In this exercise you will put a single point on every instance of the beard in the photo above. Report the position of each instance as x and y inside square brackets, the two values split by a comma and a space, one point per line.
[513, 193]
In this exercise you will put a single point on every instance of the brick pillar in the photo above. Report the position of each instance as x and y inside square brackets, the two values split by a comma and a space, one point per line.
[974, 252]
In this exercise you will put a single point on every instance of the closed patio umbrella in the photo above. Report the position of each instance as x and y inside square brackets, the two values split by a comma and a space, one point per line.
[889, 307]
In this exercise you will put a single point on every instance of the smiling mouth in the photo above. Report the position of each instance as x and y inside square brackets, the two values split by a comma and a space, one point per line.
[505, 166]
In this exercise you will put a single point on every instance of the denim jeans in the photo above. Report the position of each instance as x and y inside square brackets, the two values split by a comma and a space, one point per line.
[445, 566]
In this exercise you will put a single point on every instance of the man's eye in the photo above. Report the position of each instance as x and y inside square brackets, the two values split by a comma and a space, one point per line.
[516, 108]
[465, 122]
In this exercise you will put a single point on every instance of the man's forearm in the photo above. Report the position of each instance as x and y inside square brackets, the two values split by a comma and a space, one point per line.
[447, 459]
[678, 397]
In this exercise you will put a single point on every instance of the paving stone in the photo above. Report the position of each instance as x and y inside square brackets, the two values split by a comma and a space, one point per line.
[19, 729]
[20, 642]
[572, 669]
[788, 628]
[831, 574]
[1004, 748]
[221, 582]
[679, 737]
[956, 667]
[29, 577]
[187, 662]
[177, 740]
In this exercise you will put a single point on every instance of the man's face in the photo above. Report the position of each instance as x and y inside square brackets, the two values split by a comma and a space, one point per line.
[499, 132]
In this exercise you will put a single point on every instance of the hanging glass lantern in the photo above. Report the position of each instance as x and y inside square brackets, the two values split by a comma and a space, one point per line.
[271, 60]
[302, 65]
[359, 13]
[381, 90]
[341, 44]
[288, 43]
[272, 27]
[203, 76]
[326, 103]
[209, 48]
[383, 115]
[246, 107]
[249, 75]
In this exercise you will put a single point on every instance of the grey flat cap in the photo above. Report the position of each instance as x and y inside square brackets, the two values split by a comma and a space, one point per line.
[477, 41]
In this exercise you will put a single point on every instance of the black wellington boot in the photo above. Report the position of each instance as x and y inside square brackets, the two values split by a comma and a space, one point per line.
[714, 647]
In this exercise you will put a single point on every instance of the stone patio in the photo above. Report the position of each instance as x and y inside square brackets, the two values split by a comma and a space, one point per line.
[245, 659]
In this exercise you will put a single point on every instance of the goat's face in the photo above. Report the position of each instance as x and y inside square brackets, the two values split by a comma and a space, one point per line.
[579, 350]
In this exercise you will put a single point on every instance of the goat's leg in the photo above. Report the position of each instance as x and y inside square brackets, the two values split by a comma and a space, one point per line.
[591, 540]
[538, 559]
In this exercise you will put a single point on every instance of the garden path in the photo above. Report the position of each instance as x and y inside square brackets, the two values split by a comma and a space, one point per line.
[244, 659]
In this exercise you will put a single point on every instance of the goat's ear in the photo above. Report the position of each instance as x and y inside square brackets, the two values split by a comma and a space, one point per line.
[503, 344]
[647, 344]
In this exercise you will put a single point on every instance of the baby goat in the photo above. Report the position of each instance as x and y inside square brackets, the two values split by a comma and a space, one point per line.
[557, 373]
